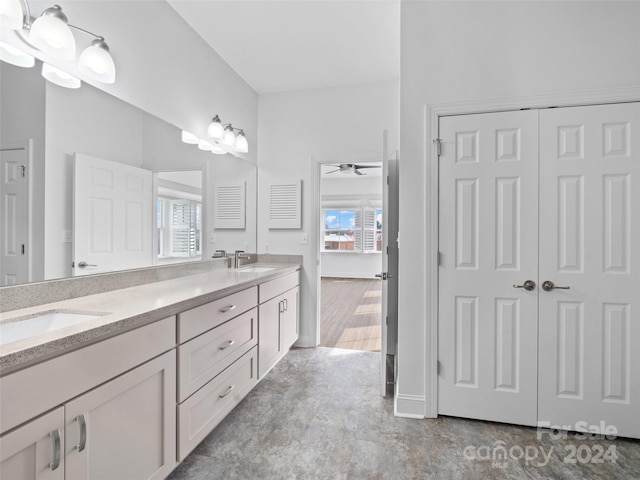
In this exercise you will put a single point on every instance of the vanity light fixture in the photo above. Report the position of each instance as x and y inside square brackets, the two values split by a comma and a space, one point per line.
[215, 130]
[189, 138]
[51, 34]
[14, 56]
[241, 145]
[222, 138]
[229, 136]
[59, 77]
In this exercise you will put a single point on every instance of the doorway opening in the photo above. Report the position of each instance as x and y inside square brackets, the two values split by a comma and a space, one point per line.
[351, 219]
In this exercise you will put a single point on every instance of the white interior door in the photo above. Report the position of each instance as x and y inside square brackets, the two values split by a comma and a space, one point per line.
[589, 334]
[113, 215]
[389, 275]
[14, 205]
[488, 243]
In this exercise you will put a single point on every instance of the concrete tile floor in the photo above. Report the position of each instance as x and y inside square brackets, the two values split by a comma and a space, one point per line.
[319, 415]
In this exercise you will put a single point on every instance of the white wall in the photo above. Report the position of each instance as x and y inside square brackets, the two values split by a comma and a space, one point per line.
[297, 129]
[457, 51]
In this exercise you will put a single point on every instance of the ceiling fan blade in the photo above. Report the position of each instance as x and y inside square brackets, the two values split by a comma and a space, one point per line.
[367, 166]
[333, 171]
[357, 172]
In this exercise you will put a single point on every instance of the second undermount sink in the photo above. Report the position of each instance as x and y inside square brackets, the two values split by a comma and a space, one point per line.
[255, 269]
[40, 323]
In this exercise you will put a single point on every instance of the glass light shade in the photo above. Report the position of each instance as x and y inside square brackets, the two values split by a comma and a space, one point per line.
[242, 145]
[189, 138]
[96, 62]
[11, 14]
[51, 34]
[215, 130]
[14, 56]
[59, 77]
[229, 137]
[217, 150]
[204, 145]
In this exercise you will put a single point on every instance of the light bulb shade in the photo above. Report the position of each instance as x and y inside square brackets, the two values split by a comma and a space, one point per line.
[96, 62]
[50, 33]
[11, 14]
[12, 55]
[59, 77]
[204, 145]
[215, 130]
[217, 150]
[229, 136]
[189, 138]
[242, 145]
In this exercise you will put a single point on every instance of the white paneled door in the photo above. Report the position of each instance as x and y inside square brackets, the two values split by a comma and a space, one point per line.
[488, 243]
[112, 216]
[589, 239]
[562, 353]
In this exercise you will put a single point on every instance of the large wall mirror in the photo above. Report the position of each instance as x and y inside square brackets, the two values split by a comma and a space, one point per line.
[48, 132]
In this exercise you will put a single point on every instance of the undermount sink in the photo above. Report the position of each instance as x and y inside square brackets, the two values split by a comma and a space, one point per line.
[40, 323]
[255, 269]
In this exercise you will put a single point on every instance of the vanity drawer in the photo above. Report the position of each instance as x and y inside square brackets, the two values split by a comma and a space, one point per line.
[275, 287]
[201, 412]
[204, 357]
[200, 319]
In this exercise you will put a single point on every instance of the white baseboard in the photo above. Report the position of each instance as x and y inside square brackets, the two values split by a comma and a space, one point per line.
[409, 406]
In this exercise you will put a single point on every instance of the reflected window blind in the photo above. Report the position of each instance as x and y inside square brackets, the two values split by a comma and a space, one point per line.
[183, 228]
[229, 208]
[285, 205]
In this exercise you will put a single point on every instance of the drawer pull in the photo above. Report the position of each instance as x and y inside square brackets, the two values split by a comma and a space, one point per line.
[56, 449]
[228, 308]
[231, 387]
[227, 344]
[83, 433]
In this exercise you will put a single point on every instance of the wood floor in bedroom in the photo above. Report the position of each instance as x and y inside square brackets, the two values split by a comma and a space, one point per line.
[351, 313]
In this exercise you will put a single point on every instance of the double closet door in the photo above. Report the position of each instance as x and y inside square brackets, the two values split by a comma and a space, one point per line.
[539, 280]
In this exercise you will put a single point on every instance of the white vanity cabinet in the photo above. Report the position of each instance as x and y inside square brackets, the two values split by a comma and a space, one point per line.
[104, 411]
[35, 450]
[278, 325]
[217, 360]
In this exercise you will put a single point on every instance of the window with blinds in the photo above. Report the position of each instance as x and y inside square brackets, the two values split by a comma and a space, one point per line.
[179, 228]
[357, 230]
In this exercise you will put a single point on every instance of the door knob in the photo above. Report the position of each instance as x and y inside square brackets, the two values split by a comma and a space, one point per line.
[527, 285]
[548, 285]
[385, 275]
[84, 264]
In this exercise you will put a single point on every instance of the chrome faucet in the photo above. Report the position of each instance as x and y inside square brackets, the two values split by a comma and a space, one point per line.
[238, 256]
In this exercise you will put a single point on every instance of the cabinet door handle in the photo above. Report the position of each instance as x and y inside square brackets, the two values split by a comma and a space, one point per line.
[227, 309]
[231, 387]
[83, 433]
[286, 304]
[55, 435]
[281, 306]
[227, 344]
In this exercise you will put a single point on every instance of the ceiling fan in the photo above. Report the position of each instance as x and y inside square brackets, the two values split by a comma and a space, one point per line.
[351, 168]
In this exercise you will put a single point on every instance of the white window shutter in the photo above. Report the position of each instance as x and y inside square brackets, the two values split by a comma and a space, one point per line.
[369, 229]
[285, 205]
[229, 207]
[357, 231]
[183, 232]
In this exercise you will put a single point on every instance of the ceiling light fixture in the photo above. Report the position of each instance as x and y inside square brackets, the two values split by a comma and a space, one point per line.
[51, 34]
[15, 56]
[222, 138]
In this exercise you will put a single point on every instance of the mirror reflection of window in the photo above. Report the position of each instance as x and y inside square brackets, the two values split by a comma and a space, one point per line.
[179, 216]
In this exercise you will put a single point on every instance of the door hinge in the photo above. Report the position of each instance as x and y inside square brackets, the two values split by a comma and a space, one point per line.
[23, 249]
[23, 171]
[438, 143]
[387, 179]
[439, 258]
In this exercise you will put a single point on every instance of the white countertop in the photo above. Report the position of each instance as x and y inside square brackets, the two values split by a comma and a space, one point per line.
[126, 309]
